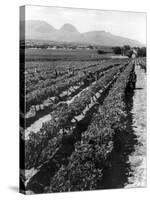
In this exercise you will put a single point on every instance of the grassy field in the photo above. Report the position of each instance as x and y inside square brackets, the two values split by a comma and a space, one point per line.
[53, 55]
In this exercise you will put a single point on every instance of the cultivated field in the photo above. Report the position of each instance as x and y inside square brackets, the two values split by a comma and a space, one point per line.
[78, 131]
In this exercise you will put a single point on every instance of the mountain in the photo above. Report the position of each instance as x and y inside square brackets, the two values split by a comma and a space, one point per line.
[107, 39]
[68, 33]
[69, 28]
[41, 30]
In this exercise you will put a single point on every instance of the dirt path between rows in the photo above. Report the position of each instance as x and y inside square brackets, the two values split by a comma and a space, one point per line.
[138, 157]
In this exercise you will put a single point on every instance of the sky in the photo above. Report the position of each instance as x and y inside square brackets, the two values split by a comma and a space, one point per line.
[127, 24]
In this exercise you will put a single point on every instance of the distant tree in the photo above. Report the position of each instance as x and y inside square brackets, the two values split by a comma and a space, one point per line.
[142, 52]
[90, 47]
[126, 49]
[117, 50]
[129, 53]
[100, 51]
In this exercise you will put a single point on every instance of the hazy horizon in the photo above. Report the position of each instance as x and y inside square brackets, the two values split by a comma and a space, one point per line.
[126, 24]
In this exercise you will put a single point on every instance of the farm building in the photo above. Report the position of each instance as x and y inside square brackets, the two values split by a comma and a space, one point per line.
[134, 53]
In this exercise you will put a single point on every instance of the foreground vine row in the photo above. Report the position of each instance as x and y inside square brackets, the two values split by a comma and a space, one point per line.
[86, 164]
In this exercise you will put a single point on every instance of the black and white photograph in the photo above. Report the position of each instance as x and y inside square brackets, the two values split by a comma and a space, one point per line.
[83, 83]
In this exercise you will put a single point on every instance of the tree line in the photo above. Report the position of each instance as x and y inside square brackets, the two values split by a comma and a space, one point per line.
[128, 51]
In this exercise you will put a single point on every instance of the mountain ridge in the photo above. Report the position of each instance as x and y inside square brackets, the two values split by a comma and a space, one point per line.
[41, 30]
